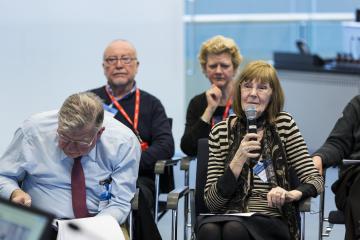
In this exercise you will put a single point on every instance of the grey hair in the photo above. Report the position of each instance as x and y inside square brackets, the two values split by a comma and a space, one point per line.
[81, 110]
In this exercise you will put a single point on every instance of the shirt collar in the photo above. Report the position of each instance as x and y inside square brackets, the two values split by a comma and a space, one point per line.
[108, 88]
[91, 154]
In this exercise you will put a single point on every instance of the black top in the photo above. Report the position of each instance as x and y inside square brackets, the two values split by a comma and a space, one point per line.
[195, 128]
[344, 140]
[154, 127]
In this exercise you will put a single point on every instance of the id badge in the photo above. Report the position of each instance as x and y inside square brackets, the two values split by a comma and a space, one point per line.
[260, 170]
[264, 170]
[105, 193]
[110, 109]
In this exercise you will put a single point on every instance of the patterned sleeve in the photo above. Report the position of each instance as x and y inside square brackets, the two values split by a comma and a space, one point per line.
[297, 152]
[220, 183]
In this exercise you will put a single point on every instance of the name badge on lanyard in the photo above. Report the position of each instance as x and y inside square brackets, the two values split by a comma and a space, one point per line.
[110, 109]
[262, 170]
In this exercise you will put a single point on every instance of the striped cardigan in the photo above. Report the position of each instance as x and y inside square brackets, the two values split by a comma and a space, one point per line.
[297, 157]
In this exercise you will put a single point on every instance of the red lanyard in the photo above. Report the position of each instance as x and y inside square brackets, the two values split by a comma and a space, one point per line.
[144, 145]
[226, 112]
[126, 116]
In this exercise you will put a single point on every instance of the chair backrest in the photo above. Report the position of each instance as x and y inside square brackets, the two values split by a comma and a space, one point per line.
[167, 182]
[201, 174]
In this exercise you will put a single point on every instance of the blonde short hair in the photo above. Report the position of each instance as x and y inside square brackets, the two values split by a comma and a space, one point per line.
[81, 110]
[218, 45]
[265, 73]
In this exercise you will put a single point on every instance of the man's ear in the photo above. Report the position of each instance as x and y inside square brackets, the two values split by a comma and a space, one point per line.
[102, 129]
[137, 66]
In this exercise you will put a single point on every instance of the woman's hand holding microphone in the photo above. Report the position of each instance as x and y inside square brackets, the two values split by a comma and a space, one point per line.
[246, 150]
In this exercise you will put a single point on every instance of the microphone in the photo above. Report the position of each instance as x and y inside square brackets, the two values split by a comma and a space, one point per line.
[250, 113]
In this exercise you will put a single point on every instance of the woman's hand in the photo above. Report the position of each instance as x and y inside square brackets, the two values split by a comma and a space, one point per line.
[293, 195]
[213, 97]
[277, 196]
[249, 143]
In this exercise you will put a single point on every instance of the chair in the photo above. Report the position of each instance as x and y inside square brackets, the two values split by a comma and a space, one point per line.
[335, 216]
[134, 207]
[174, 197]
[164, 168]
[164, 183]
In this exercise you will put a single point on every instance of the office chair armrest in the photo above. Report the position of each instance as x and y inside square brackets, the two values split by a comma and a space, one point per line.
[135, 200]
[305, 205]
[185, 162]
[174, 197]
[350, 162]
[162, 164]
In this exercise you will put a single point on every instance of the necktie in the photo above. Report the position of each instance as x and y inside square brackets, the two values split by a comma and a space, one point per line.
[78, 190]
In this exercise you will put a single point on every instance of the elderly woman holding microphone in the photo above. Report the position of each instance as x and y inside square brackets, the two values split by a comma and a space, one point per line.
[249, 171]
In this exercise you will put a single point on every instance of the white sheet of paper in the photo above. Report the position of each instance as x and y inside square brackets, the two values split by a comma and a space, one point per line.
[103, 227]
[248, 214]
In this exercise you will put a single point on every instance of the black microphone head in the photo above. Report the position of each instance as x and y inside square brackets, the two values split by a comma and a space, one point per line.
[250, 112]
[73, 226]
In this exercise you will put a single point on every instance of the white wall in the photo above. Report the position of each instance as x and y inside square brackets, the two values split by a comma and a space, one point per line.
[51, 49]
[316, 101]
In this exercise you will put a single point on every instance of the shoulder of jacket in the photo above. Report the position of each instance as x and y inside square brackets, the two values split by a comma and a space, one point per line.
[283, 117]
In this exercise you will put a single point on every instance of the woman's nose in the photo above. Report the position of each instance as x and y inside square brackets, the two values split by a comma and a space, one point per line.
[253, 91]
[218, 69]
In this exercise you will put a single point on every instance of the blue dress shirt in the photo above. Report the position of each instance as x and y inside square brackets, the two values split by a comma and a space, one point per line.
[35, 159]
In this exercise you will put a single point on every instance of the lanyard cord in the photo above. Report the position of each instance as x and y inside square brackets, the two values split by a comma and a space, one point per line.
[226, 111]
[125, 115]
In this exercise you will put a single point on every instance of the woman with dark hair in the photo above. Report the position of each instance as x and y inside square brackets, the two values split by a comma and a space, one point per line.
[250, 172]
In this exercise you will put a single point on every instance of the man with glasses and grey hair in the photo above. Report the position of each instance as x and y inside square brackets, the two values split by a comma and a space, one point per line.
[76, 162]
[137, 109]
[144, 114]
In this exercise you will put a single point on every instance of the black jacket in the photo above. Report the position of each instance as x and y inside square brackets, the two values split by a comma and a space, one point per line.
[344, 140]
[195, 128]
[154, 127]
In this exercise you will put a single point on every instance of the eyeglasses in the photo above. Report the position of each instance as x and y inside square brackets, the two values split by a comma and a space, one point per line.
[81, 144]
[260, 88]
[123, 60]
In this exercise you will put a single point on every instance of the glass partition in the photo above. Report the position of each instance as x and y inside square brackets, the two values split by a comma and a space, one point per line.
[261, 27]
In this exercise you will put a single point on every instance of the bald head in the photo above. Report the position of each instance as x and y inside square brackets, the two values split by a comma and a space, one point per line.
[120, 44]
